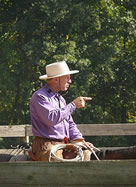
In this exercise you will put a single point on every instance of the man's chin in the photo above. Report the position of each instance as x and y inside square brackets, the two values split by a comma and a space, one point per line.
[64, 90]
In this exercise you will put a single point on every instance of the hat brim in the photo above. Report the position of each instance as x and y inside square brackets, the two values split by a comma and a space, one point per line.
[43, 77]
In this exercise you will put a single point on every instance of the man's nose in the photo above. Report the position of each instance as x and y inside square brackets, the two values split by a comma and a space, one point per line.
[69, 81]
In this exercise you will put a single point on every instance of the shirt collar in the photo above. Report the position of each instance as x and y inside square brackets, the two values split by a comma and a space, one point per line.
[50, 91]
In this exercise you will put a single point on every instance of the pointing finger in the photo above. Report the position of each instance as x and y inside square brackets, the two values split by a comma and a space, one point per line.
[87, 98]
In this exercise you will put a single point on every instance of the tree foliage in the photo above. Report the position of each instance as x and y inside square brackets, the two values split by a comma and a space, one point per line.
[96, 37]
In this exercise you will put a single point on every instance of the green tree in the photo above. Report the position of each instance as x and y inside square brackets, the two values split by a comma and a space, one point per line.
[96, 37]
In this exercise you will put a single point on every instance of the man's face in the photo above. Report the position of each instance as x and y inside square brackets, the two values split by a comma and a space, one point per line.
[64, 82]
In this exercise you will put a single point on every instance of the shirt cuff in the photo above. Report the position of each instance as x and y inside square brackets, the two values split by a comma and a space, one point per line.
[73, 104]
[71, 107]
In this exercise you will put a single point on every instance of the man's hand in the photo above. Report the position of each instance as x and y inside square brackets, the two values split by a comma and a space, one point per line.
[80, 101]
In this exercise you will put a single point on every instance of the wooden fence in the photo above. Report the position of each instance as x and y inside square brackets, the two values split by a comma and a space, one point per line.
[93, 173]
[25, 131]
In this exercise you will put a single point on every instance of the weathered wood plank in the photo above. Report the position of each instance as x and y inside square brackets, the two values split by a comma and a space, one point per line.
[86, 129]
[7, 154]
[107, 129]
[101, 129]
[94, 173]
[12, 130]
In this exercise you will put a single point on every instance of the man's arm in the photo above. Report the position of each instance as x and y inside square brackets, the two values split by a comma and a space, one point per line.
[74, 132]
[44, 111]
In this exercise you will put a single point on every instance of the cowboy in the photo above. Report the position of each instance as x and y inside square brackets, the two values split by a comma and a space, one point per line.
[52, 122]
[51, 118]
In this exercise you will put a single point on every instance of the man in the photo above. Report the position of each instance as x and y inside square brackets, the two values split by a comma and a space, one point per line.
[51, 118]
[52, 122]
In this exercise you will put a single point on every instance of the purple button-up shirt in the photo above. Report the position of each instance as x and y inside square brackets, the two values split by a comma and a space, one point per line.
[51, 116]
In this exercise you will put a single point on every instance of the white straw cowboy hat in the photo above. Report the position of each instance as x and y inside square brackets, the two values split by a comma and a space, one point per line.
[57, 69]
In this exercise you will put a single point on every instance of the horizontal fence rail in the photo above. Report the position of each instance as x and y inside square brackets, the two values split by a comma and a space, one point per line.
[86, 130]
[25, 131]
[108, 129]
[94, 173]
[12, 130]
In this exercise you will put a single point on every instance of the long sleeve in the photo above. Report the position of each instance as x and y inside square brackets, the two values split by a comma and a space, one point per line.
[48, 112]
[74, 132]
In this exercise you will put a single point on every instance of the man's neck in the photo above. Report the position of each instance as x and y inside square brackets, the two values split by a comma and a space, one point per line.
[53, 87]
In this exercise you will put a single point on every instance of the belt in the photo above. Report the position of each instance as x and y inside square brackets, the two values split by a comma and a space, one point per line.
[49, 139]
